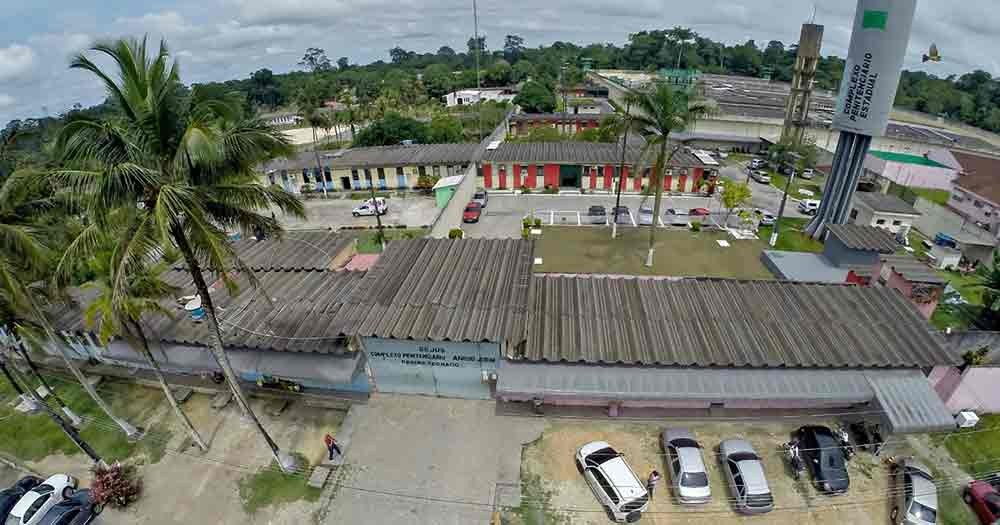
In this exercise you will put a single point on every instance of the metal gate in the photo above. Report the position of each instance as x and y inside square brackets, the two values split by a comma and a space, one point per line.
[432, 368]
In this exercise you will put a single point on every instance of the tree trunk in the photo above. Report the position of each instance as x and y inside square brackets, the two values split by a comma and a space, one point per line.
[140, 335]
[129, 430]
[74, 419]
[287, 463]
[657, 201]
[319, 165]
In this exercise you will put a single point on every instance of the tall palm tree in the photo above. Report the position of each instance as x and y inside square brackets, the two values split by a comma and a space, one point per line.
[658, 112]
[317, 119]
[143, 293]
[189, 164]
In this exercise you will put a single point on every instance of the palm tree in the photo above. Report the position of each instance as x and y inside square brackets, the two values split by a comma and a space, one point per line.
[317, 119]
[190, 166]
[657, 113]
[143, 292]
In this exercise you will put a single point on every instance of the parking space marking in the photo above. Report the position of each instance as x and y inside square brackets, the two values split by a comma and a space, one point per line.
[632, 218]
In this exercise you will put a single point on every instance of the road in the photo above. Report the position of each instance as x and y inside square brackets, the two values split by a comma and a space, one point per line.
[765, 196]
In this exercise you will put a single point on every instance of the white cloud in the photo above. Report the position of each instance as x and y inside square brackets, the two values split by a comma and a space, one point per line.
[166, 23]
[6, 100]
[15, 61]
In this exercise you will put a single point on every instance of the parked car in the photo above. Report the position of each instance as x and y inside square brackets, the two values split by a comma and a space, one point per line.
[756, 163]
[371, 207]
[78, 509]
[760, 176]
[808, 173]
[809, 206]
[614, 483]
[481, 197]
[678, 217]
[645, 216]
[9, 497]
[984, 500]
[473, 211]
[597, 215]
[622, 215]
[699, 212]
[766, 218]
[745, 475]
[915, 494]
[33, 506]
[688, 475]
[825, 459]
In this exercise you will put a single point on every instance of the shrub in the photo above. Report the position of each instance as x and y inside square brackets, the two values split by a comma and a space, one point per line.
[527, 222]
[696, 227]
[976, 357]
[116, 485]
[455, 233]
[525, 233]
[551, 190]
[307, 189]
[525, 190]
[537, 223]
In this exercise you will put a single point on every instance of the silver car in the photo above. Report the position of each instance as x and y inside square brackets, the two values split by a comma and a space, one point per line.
[915, 494]
[688, 475]
[745, 475]
[645, 216]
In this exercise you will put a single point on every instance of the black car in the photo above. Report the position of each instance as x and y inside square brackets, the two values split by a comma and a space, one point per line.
[825, 458]
[622, 215]
[597, 215]
[9, 497]
[79, 509]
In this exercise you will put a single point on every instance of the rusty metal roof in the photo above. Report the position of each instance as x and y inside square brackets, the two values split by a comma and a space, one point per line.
[579, 153]
[712, 322]
[444, 290]
[913, 270]
[865, 238]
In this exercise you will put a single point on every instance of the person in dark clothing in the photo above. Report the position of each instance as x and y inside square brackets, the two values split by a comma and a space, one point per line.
[332, 446]
[654, 478]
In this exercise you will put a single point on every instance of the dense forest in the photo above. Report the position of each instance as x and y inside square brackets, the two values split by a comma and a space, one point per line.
[413, 83]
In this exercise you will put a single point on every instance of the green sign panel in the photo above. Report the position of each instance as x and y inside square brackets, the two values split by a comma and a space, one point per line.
[875, 20]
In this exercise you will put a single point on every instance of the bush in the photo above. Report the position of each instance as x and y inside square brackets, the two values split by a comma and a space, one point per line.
[306, 189]
[527, 222]
[551, 190]
[116, 485]
[696, 227]
[537, 223]
[525, 233]
[525, 190]
[455, 233]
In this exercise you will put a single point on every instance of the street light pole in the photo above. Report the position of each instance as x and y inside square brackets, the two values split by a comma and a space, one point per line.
[781, 211]
[479, 85]
[621, 168]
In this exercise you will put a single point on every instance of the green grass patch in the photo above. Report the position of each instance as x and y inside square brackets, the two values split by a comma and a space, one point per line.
[271, 486]
[975, 450]
[779, 181]
[368, 241]
[791, 237]
[536, 507]
[363, 195]
[951, 509]
[132, 402]
[678, 253]
[939, 197]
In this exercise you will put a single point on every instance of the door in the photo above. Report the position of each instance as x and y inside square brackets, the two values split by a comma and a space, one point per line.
[431, 367]
[569, 176]
[345, 183]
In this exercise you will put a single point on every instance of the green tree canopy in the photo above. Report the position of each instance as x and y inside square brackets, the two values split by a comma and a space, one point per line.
[444, 129]
[535, 97]
[392, 129]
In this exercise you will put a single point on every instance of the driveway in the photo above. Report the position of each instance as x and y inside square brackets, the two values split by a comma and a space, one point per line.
[413, 457]
[321, 214]
[764, 196]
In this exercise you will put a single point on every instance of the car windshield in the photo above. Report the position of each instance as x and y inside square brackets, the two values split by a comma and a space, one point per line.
[922, 512]
[635, 504]
[28, 514]
[471, 208]
[601, 456]
[479, 195]
[597, 210]
[43, 489]
[743, 456]
[694, 479]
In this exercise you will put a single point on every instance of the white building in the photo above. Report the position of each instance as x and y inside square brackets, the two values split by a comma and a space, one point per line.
[882, 211]
[472, 96]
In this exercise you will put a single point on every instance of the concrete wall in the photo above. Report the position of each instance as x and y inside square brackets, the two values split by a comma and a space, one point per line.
[887, 221]
[442, 368]
[977, 208]
[360, 178]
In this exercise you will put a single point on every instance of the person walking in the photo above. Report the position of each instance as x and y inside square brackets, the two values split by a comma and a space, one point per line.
[331, 446]
[654, 477]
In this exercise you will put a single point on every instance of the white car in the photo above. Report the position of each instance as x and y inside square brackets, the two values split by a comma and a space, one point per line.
[369, 207]
[614, 483]
[31, 508]
[809, 206]
[808, 173]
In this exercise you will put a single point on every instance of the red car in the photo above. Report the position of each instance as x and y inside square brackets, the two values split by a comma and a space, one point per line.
[984, 500]
[699, 212]
[473, 211]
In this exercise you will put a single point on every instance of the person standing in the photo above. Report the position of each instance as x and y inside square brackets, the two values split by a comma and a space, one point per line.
[654, 477]
[331, 446]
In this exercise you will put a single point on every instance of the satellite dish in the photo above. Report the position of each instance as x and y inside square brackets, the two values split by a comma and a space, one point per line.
[932, 55]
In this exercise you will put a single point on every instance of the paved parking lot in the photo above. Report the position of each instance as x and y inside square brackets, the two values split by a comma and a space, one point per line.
[566, 494]
[503, 214]
[321, 214]
[764, 196]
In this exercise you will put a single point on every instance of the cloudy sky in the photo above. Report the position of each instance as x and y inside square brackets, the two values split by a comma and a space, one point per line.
[224, 39]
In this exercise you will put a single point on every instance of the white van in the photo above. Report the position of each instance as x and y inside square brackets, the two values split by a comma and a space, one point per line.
[809, 206]
[371, 207]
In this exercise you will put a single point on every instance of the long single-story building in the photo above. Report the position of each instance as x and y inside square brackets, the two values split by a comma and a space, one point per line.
[385, 167]
[565, 123]
[587, 166]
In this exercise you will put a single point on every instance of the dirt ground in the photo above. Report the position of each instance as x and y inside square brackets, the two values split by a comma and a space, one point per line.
[188, 486]
[551, 458]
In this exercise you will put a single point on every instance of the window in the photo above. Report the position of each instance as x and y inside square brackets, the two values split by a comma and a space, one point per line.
[880, 222]
[854, 214]
[694, 479]
[957, 198]
[354, 175]
[33, 509]
[381, 174]
[897, 223]
[524, 172]
[437, 171]
[399, 172]
[305, 175]
[603, 482]
[978, 204]
[422, 170]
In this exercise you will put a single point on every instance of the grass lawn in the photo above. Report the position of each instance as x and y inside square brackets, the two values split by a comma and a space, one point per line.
[939, 197]
[791, 238]
[367, 241]
[952, 510]
[814, 185]
[678, 253]
[270, 486]
[974, 450]
[45, 438]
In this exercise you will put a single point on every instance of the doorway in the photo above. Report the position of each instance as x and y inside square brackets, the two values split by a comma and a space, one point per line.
[569, 176]
[345, 183]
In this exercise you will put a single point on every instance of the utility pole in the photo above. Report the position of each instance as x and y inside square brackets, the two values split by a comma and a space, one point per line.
[479, 85]
[378, 214]
[781, 210]
[73, 418]
[621, 168]
[66, 427]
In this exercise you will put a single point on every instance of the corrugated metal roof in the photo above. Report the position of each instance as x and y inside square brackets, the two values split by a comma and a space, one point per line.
[910, 404]
[866, 238]
[413, 155]
[885, 203]
[713, 322]
[444, 290]
[579, 153]
[533, 117]
[625, 382]
[293, 251]
[913, 270]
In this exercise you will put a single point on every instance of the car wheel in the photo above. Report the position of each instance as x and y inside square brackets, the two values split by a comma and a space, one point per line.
[894, 514]
[67, 492]
[967, 496]
[356, 214]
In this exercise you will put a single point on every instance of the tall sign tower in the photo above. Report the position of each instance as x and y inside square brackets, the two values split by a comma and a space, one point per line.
[867, 91]
[797, 109]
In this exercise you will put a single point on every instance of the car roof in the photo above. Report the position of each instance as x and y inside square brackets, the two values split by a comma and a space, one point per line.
[24, 503]
[691, 460]
[620, 475]
[924, 492]
[752, 471]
